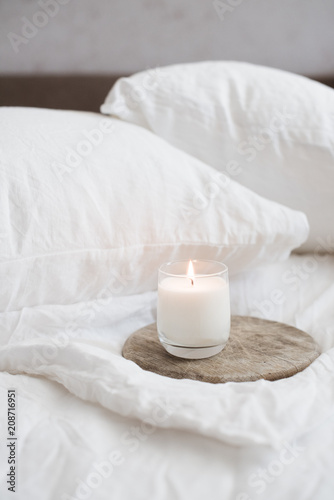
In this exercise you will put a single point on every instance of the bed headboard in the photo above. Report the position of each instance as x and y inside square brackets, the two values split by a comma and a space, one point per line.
[80, 92]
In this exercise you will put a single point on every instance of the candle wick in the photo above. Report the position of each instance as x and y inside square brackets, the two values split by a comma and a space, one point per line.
[192, 281]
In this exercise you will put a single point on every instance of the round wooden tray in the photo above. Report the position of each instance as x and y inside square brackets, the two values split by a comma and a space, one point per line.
[256, 349]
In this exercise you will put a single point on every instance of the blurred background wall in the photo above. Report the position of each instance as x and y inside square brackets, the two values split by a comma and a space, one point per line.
[123, 36]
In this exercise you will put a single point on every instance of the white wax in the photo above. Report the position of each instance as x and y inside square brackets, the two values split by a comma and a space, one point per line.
[195, 315]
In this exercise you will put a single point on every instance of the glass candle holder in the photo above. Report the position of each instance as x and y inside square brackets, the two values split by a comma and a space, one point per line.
[193, 316]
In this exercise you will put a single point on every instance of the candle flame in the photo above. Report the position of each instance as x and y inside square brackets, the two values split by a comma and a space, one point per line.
[190, 272]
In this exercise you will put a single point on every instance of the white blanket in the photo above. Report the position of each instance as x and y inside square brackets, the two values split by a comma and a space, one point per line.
[180, 438]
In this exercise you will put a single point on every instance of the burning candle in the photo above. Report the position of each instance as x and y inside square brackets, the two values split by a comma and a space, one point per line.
[193, 308]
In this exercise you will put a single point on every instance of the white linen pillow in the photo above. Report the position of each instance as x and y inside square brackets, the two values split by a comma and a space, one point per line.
[91, 206]
[271, 130]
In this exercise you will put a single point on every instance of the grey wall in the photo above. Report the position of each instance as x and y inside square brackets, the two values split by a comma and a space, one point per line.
[123, 36]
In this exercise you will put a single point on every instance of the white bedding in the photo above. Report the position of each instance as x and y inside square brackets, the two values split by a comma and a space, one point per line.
[78, 405]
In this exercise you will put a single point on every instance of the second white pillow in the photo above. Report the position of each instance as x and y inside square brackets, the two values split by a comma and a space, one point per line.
[270, 130]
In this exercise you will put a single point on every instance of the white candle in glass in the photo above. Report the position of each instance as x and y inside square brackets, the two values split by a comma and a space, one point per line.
[193, 308]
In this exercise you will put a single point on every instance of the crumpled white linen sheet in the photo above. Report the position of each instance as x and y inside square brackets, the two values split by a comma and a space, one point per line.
[76, 375]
